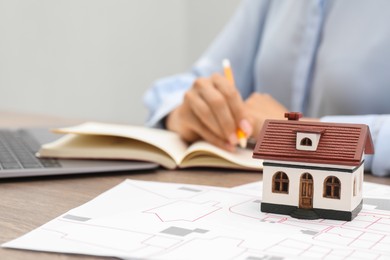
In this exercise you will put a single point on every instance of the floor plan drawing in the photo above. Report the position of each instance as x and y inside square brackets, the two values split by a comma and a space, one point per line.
[151, 220]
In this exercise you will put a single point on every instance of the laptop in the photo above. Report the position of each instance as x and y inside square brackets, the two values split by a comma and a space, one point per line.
[19, 146]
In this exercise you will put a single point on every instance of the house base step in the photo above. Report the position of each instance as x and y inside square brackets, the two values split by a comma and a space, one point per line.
[304, 214]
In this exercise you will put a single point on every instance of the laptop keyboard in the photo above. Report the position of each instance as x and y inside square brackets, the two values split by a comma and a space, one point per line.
[17, 151]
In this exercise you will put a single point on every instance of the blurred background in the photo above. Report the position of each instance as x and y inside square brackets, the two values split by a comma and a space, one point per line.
[94, 59]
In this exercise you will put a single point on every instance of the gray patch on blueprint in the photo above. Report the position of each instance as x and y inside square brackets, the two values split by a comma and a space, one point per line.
[189, 189]
[178, 231]
[77, 218]
[266, 257]
[381, 204]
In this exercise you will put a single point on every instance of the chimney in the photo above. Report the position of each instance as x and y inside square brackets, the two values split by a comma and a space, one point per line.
[293, 115]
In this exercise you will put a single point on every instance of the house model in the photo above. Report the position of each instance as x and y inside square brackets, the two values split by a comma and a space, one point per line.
[312, 169]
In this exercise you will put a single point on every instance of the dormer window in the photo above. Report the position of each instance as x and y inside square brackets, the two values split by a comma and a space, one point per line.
[307, 140]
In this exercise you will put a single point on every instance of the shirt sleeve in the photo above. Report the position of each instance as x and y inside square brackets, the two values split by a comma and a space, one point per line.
[379, 163]
[238, 41]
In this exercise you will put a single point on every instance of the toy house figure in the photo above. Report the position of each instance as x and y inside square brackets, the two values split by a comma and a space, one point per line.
[312, 169]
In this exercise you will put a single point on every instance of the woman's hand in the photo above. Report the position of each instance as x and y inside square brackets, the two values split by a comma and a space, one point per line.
[212, 110]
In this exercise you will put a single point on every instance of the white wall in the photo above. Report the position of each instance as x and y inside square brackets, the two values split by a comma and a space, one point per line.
[94, 59]
[348, 202]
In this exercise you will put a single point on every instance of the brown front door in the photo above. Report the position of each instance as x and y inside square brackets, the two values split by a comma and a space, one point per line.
[306, 191]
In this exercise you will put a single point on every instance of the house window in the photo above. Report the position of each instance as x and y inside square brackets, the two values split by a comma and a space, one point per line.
[332, 187]
[354, 186]
[306, 142]
[280, 183]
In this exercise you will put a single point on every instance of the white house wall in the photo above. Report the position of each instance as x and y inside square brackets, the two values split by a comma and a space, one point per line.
[346, 202]
[359, 175]
[277, 198]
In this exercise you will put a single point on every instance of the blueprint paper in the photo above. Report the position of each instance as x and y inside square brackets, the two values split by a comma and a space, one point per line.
[151, 220]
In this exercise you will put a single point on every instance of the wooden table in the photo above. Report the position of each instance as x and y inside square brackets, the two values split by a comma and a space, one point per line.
[27, 203]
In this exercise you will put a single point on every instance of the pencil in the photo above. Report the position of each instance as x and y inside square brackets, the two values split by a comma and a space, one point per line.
[227, 70]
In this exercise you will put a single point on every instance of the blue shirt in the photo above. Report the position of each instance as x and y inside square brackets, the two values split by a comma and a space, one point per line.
[328, 59]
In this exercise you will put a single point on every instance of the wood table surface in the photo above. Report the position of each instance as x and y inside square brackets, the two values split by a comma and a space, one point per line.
[27, 203]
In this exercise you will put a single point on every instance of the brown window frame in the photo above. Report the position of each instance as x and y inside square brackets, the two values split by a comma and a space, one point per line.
[280, 183]
[332, 188]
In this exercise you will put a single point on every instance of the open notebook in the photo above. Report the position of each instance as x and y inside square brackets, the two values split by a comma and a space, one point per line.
[112, 141]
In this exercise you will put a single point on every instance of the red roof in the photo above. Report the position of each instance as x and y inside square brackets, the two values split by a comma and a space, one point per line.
[340, 144]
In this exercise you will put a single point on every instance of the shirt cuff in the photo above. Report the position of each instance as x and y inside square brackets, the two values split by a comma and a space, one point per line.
[164, 109]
